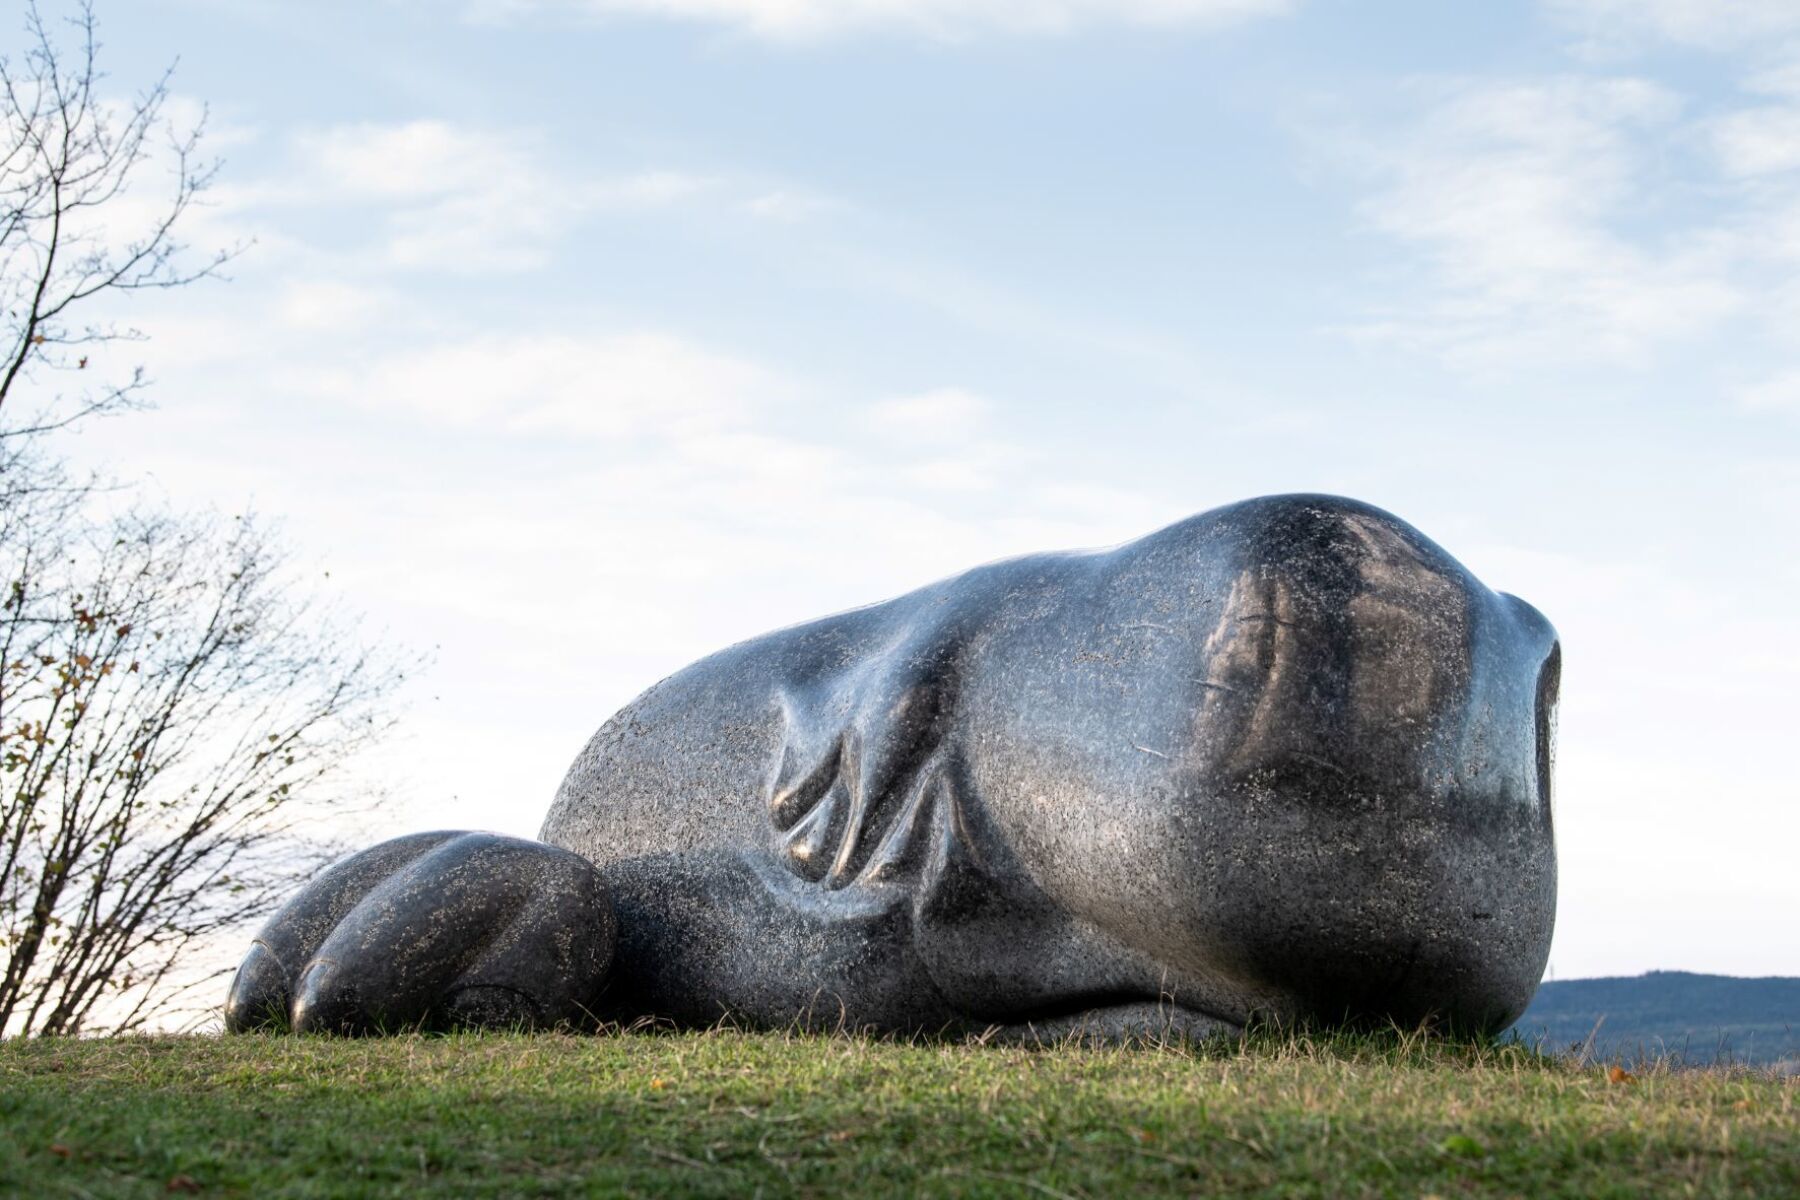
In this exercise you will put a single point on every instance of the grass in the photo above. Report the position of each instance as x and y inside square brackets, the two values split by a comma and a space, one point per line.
[724, 1113]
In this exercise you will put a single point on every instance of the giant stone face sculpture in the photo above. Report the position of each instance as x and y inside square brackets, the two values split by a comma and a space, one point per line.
[1285, 759]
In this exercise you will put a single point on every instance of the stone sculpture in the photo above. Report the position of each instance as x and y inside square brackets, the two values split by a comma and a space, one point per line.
[1285, 759]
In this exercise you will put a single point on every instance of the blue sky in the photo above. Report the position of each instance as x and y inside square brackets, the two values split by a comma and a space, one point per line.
[582, 337]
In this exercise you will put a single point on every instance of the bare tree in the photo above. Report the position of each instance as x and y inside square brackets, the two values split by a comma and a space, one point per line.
[174, 712]
[68, 155]
[172, 720]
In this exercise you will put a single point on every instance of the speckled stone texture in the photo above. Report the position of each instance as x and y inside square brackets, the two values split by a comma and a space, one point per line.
[433, 931]
[1285, 759]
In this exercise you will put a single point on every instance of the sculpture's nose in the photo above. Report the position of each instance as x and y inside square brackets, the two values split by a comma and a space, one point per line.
[1398, 728]
[1343, 650]
[1356, 829]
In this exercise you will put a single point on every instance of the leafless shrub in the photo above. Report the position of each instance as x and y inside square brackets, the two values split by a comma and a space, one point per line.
[173, 709]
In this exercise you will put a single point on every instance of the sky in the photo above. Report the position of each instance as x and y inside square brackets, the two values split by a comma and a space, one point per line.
[575, 339]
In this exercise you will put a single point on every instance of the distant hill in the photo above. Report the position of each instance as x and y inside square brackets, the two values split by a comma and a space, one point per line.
[1694, 1018]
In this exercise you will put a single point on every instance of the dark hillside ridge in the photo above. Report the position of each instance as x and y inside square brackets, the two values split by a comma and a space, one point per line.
[1693, 1019]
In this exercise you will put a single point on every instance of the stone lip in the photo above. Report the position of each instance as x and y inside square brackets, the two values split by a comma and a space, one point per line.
[1283, 760]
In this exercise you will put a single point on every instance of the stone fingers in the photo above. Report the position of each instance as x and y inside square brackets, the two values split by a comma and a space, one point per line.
[483, 930]
[434, 931]
[263, 990]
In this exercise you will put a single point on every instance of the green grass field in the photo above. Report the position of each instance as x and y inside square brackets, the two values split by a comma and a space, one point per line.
[724, 1113]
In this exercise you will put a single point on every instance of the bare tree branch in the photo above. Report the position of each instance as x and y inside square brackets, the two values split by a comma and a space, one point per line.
[66, 157]
[172, 720]
[175, 716]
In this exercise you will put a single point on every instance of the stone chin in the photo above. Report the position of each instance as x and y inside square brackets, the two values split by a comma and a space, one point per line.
[1285, 758]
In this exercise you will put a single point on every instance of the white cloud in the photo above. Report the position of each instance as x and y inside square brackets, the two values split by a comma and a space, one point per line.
[410, 160]
[1759, 141]
[1780, 78]
[466, 199]
[948, 19]
[608, 387]
[692, 472]
[703, 414]
[969, 473]
[330, 305]
[950, 429]
[1525, 202]
[429, 159]
[648, 189]
[790, 204]
[1714, 24]
[941, 415]
[1595, 218]
[1779, 393]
